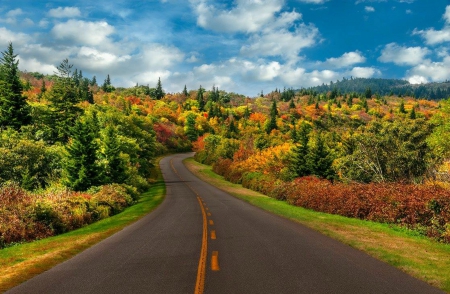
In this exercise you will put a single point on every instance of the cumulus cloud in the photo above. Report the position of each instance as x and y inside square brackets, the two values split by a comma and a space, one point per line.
[369, 9]
[83, 32]
[403, 55]
[347, 59]
[434, 37]
[64, 12]
[364, 72]
[33, 65]
[430, 71]
[284, 43]
[14, 13]
[314, 1]
[247, 15]
[7, 36]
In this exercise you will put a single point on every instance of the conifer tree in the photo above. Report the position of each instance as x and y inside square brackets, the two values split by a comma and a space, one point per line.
[412, 114]
[200, 100]
[185, 92]
[81, 167]
[292, 104]
[64, 110]
[115, 167]
[402, 107]
[319, 160]
[159, 93]
[272, 125]
[300, 160]
[14, 109]
[190, 130]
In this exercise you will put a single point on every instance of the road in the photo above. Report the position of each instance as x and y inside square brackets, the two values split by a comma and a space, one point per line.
[201, 239]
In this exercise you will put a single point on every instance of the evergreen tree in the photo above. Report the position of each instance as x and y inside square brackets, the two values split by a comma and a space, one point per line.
[320, 160]
[14, 109]
[185, 92]
[412, 114]
[63, 110]
[300, 160]
[115, 167]
[81, 167]
[107, 87]
[159, 93]
[402, 107]
[292, 104]
[94, 81]
[189, 127]
[200, 100]
[272, 125]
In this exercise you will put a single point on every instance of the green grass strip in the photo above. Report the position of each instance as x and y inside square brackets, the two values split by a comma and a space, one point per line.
[22, 262]
[416, 255]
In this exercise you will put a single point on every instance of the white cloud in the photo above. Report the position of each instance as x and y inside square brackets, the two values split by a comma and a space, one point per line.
[14, 13]
[403, 55]
[347, 59]
[64, 12]
[314, 1]
[434, 37]
[17, 39]
[417, 80]
[284, 43]
[83, 33]
[33, 65]
[247, 15]
[431, 71]
[364, 72]
[369, 9]
[408, 11]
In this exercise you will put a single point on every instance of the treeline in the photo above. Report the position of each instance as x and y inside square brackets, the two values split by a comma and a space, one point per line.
[385, 87]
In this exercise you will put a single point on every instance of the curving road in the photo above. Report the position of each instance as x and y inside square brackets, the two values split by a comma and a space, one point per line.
[200, 239]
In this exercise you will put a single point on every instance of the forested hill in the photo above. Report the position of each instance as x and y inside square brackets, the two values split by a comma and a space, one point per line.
[433, 91]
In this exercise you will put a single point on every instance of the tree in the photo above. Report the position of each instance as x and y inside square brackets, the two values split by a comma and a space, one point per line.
[14, 109]
[115, 167]
[292, 104]
[185, 92]
[189, 128]
[300, 159]
[401, 108]
[320, 160]
[81, 168]
[200, 100]
[272, 124]
[159, 93]
[107, 87]
[63, 110]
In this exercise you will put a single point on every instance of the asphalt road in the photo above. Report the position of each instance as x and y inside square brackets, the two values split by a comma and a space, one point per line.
[202, 239]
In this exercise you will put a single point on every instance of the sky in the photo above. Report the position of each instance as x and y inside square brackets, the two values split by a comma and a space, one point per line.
[241, 46]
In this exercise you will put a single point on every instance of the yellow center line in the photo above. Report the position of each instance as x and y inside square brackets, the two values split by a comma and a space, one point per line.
[211, 222]
[201, 270]
[209, 213]
[215, 261]
[213, 235]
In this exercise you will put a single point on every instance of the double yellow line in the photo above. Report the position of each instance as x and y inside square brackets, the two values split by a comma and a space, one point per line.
[201, 271]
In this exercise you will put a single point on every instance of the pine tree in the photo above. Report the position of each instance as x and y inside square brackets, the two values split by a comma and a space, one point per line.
[412, 115]
[14, 109]
[185, 92]
[300, 160]
[200, 100]
[107, 87]
[115, 167]
[320, 160]
[81, 168]
[272, 125]
[190, 130]
[402, 107]
[64, 110]
[159, 93]
[292, 104]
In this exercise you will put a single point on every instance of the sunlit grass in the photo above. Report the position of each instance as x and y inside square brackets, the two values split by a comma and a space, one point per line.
[414, 254]
[22, 262]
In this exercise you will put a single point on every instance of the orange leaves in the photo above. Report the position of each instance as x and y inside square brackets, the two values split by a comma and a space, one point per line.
[258, 117]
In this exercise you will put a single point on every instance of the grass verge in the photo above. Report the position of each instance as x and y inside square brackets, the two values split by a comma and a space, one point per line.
[416, 255]
[22, 262]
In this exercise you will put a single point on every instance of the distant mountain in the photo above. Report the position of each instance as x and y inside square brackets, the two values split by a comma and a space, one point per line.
[432, 91]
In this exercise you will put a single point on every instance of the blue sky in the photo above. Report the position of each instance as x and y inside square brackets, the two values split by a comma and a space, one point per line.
[242, 46]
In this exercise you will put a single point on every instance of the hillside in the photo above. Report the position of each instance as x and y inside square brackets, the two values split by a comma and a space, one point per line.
[433, 91]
